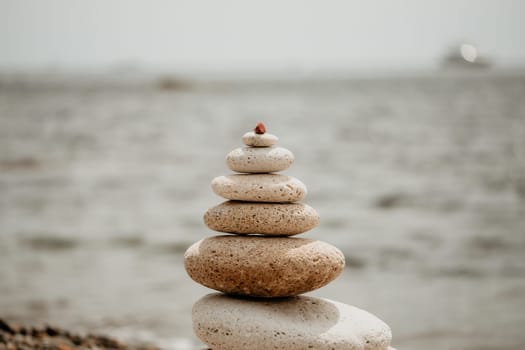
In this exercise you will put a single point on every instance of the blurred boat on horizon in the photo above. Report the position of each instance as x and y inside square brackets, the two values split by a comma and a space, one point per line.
[465, 56]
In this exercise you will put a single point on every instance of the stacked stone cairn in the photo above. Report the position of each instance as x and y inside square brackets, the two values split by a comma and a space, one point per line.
[262, 270]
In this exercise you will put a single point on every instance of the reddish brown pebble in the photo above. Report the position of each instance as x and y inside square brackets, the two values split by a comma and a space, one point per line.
[259, 128]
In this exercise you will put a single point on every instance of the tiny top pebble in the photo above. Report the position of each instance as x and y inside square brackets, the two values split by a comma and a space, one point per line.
[260, 128]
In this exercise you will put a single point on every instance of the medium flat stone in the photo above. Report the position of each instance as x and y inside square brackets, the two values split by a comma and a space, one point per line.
[276, 219]
[263, 266]
[259, 159]
[227, 323]
[259, 140]
[259, 188]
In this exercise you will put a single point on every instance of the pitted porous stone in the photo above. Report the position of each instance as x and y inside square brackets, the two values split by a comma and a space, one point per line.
[273, 219]
[228, 323]
[272, 188]
[259, 140]
[263, 266]
[259, 159]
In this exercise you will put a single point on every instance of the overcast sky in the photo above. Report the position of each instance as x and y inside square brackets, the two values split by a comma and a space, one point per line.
[261, 35]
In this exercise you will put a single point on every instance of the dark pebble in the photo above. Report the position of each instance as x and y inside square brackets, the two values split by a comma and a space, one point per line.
[105, 342]
[75, 339]
[37, 333]
[6, 327]
[52, 331]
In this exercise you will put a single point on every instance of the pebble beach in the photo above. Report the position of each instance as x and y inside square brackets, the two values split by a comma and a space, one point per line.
[419, 181]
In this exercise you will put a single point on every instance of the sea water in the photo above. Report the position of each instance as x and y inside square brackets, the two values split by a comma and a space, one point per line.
[420, 181]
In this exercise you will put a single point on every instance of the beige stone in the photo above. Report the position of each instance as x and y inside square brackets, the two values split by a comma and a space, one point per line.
[259, 140]
[274, 188]
[259, 159]
[263, 266]
[275, 219]
[228, 323]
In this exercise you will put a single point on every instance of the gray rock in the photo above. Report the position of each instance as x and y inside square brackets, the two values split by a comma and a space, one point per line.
[227, 323]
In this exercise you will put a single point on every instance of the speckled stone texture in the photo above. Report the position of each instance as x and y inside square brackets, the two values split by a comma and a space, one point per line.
[274, 188]
[228, 323]
[273, 219]
[259, 140]
[259, 159]
[263, 266]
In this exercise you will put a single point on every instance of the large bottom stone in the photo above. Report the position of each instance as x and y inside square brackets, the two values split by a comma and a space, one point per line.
[263, 266]
[227, 323]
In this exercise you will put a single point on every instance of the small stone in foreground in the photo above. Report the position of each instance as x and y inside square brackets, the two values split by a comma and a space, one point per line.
[228, 323]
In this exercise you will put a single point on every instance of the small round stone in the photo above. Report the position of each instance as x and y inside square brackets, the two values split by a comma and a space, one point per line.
[263, 266]
[259, 140]
[259, 159]
[228, 323]
[273, 219]
[259, 188]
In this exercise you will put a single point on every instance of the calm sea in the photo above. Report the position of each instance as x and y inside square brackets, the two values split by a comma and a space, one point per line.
[420, 181]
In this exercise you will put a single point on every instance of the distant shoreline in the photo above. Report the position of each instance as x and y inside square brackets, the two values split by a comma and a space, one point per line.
[189, 81]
